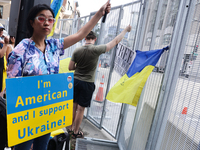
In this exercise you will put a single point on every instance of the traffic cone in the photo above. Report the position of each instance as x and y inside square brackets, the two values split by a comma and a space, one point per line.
[99, 64]
[99, 96]
[184, 112]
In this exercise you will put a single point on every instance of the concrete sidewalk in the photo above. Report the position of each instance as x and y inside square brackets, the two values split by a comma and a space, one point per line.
[90, 131]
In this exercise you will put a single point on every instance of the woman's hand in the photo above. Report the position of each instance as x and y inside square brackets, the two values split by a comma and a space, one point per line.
[105, 8]
[3, 92]
[6, 40]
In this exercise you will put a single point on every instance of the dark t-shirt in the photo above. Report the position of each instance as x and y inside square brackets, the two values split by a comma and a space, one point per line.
[86, 59]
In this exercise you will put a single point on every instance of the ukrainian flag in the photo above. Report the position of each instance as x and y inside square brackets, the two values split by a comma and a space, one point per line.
[56, 7]
[129, 88]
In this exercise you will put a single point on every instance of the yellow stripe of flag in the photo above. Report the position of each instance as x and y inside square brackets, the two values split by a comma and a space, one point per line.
[130, 89]
[56, 7]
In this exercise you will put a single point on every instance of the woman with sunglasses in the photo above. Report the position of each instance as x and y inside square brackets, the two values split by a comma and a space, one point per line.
[38, 56]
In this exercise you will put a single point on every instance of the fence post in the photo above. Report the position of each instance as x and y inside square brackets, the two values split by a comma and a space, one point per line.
[111, 65]
[88, 108]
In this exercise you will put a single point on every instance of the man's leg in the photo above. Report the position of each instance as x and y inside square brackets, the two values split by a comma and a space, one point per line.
[75, 105]
[78, 118]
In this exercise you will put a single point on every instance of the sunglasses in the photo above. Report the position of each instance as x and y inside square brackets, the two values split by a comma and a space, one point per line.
[42, 19]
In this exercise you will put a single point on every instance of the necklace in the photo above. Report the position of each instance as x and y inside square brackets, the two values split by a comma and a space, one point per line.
[41, 48]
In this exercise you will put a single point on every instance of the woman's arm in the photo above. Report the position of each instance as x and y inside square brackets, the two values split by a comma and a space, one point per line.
[83, 32]
[9, 49]
[4, 48]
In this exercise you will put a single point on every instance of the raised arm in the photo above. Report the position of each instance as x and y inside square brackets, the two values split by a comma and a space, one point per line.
[83, 32]
[117, 39]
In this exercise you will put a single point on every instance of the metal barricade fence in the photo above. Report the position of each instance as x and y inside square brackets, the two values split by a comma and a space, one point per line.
[160, 23]
[156, 124]
[103, 113]
[182, 130]
[97, 112]
[174, 114]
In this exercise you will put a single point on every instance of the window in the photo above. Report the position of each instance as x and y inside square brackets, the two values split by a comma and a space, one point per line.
[152, 21]
[197, 11]
[166, 39]
[148, 42]
[164, 7]
[173, 12]
[157, 42]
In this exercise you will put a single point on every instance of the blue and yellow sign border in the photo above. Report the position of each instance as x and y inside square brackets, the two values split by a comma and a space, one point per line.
[38, 105]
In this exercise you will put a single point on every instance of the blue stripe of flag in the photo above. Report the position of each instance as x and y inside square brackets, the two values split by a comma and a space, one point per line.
[143, 59]
[55, 6]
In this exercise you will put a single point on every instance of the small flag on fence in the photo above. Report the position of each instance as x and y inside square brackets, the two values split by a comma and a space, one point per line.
[56, 7]
[129, 88]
